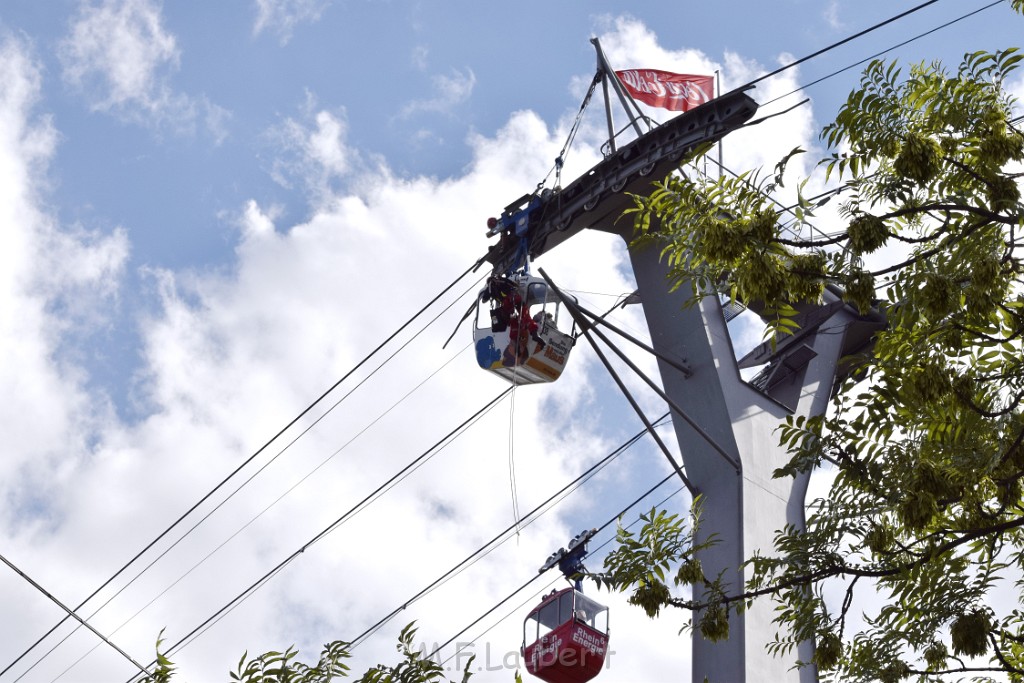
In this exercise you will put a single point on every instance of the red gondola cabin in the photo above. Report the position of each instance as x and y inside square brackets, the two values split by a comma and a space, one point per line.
[565, 638]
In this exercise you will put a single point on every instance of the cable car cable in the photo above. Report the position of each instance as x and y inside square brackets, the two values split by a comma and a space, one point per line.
[254, 475]
[540, 574]
[502, 536]
[887, 50]
[477, 555]
[474, 557]
[257, 516]
[560, 159]
[833, 46]
[366, 502]
[459, 647]
[262, 448]
[72, 614]
[237, 532]
[354, 510]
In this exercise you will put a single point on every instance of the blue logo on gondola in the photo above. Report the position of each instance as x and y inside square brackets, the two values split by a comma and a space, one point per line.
[486, 354]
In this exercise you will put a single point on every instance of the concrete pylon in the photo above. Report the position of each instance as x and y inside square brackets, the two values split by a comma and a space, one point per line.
[743, 509]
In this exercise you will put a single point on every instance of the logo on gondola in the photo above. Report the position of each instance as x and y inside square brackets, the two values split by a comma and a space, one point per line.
[592, 641]
[558, 358]
[539, 652]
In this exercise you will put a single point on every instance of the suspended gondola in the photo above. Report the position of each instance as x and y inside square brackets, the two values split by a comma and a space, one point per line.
[516, 333]
[565, 637]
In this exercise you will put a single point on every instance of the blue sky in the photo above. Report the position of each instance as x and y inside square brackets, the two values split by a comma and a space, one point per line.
[210, 211]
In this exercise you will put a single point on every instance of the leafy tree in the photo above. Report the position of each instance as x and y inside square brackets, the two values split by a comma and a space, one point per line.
[927, 441]
[283, 667]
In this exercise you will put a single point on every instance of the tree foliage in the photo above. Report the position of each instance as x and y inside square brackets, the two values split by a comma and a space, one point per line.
[927, 441]
[414, 666]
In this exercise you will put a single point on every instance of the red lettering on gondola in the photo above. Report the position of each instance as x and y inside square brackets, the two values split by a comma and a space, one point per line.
[550, 353]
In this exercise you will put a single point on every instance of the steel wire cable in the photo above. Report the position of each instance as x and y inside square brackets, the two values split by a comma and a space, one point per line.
[505, 535]
[469, 561]
[71, 614]
[472, 559]
[587, 475]
[887, 50]
[350, 513]
[366, 502]
[244, 463]
[836, 44]
[252, 520]
[805, 86]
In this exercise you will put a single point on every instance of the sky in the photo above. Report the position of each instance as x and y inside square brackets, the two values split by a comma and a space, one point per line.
[211, 212]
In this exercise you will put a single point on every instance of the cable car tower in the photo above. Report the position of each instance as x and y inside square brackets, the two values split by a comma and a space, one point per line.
[724, 425]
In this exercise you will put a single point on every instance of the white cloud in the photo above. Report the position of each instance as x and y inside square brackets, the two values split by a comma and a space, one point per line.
[1016, 90]
[282, 16]
[55, 285]
[313, 151]
[450, 90]
[629, 43]
[121, 58]
[217, 120]
[119, 51]
[419, 56]
[831, 15]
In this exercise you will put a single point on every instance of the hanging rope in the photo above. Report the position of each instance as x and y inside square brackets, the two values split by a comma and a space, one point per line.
[560, 159]
[511, 451]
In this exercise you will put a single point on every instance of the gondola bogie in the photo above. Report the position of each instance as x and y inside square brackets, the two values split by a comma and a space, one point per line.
[565, 638]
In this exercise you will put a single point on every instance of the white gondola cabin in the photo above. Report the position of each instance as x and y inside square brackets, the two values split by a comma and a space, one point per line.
[565, 638]
[516, 333]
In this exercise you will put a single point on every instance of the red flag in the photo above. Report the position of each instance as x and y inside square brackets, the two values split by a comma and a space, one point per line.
[677, 92]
